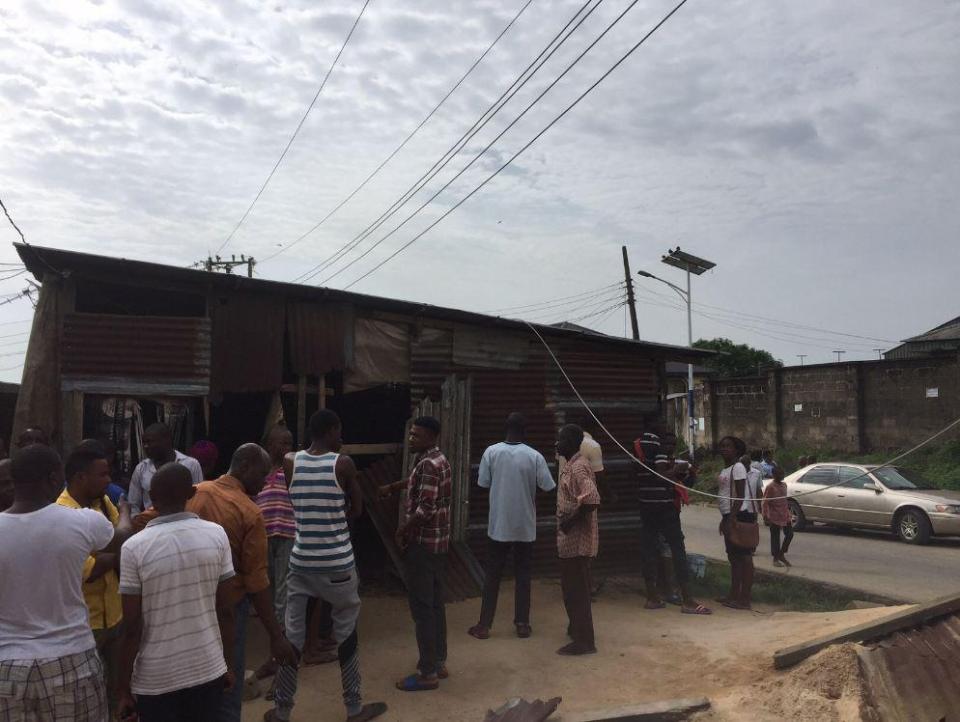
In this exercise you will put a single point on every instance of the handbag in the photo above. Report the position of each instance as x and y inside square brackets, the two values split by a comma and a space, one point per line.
[743, 534]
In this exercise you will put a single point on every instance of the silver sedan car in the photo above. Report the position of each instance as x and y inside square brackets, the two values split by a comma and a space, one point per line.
[870, 497]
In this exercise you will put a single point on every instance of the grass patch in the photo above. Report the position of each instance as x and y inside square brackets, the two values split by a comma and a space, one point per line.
[792, 594]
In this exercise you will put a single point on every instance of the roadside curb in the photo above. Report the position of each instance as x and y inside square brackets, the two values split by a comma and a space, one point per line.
[761, 574]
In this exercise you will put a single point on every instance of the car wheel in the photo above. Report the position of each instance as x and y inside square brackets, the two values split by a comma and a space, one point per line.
[797, 520]
[913, 527]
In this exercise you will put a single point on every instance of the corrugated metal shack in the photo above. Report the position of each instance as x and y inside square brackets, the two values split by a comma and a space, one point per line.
[225, 356]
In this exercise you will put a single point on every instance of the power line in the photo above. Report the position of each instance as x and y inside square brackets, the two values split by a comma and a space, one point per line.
[553, 122]
[518, 83]
[576, 308]
[555, 301]
[406, 140]
[297, 129]
[25, 242]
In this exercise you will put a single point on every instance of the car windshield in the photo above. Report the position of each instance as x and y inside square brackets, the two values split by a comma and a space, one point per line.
[894, 478]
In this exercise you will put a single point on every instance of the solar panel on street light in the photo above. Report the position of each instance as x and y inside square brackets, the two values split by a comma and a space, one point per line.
[687, 262]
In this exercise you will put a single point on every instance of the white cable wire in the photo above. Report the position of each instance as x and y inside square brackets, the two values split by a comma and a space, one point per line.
[653, 471]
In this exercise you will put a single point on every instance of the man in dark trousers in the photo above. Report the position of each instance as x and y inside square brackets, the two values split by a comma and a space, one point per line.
[513, 472]
[424, 537]
[577, 538]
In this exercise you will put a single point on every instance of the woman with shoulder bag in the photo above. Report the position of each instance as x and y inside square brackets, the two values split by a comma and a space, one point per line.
[739, 526]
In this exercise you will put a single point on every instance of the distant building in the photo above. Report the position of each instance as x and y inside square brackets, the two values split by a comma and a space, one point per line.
[944, 340]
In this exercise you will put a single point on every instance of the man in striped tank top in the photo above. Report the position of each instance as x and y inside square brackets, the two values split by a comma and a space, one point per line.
[325, 494]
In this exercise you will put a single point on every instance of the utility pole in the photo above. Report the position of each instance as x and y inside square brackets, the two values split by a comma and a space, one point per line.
[631, 300]
[801, 356]
[693, 266]
[215, 263]
[839, 354]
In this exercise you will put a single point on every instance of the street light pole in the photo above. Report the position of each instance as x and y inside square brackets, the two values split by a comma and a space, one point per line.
[692, 265]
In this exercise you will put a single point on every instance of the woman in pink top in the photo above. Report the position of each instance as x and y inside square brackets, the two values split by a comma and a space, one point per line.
[776, 512]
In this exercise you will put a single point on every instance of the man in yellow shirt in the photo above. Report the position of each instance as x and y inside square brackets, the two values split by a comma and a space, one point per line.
[88, 475]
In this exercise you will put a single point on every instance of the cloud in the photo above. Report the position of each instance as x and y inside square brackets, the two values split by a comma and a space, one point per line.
[808, 148]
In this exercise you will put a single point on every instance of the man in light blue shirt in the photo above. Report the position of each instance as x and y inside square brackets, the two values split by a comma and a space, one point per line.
[513, 472]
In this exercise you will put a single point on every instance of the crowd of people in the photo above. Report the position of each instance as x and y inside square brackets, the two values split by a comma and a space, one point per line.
[137, 608]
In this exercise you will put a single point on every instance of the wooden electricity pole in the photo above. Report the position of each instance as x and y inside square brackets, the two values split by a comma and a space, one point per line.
[631, 300]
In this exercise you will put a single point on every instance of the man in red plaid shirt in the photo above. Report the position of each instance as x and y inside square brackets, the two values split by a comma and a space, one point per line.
[424, 538]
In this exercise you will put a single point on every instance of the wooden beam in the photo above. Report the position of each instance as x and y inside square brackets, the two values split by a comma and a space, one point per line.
[370, 449]
[882, 627]
[294, 388]
[302, 411]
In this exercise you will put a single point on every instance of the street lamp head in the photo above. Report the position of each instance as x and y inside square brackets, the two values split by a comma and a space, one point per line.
[645, 274]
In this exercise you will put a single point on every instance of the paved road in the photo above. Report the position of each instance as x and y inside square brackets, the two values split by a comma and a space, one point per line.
[870, 561]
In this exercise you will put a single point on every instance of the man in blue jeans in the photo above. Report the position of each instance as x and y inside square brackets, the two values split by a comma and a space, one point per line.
[513, 472]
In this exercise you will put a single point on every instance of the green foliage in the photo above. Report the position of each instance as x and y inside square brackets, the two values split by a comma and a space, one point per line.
[736, 359]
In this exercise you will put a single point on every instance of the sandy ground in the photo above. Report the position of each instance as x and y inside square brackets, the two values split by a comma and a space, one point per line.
[643, 656]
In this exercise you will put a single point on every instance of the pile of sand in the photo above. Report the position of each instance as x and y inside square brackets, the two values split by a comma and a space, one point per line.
[825, 688]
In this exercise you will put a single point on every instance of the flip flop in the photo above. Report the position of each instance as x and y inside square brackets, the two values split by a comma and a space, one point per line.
[413, 683]
[699, 609]
[369, 712]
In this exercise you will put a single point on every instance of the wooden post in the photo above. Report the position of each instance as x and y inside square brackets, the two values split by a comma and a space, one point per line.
[302, 411]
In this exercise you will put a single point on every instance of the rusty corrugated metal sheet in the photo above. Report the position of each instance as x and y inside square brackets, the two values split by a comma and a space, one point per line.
[914, 674]
[431, 361]
[137, 347]
[464, 578]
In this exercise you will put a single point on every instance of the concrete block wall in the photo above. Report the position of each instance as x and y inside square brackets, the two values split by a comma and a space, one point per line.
[855, 407]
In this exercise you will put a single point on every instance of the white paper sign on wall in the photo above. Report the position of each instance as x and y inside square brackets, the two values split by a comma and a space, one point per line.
[933, 393]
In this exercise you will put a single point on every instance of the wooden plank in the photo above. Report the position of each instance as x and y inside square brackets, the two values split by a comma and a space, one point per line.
[302, 412]
[905, 619]
[674, 709]
[370, 449]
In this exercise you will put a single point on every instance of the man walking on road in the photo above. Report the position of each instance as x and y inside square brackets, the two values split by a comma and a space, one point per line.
[513, 472]
[577, 539]
[323, 486]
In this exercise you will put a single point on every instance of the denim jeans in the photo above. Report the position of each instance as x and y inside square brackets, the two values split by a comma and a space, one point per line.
[232, 700]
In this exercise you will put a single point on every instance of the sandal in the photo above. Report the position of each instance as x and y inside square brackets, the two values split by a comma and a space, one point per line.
[655, 605]
[415, 683]
[699, 609]
[674, 599]
[443, 673]
[314, 657]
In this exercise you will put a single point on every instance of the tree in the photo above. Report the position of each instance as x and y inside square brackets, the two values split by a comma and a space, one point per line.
[736, 359]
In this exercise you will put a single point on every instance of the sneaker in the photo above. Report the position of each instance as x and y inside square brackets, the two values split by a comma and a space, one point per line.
[778, 563]
[785, 562]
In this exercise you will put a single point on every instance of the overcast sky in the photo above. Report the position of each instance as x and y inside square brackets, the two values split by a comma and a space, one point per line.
[810, 149]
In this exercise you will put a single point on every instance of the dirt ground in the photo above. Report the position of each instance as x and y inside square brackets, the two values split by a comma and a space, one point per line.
[643, 656]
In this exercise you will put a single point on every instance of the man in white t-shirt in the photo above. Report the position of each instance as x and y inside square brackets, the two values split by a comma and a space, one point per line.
[49, 668]
[513, 472]
[158, 450]
[178, 614]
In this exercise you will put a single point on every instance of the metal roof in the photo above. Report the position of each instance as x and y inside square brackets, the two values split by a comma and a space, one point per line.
[949, 331]
[42, 261]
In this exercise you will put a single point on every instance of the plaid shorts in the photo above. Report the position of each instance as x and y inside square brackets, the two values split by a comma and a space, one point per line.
[68, 689]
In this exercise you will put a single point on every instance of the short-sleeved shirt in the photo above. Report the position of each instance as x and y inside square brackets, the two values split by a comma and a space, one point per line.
[175, 565]
[274, 503]
[775, 506]
[323, 541]
[102, 595]
[225, 502]
[513, 472]
[577, 486]
[429, 494]
[139, 495]
[42, 612]
[726, 487]
[591, 450]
